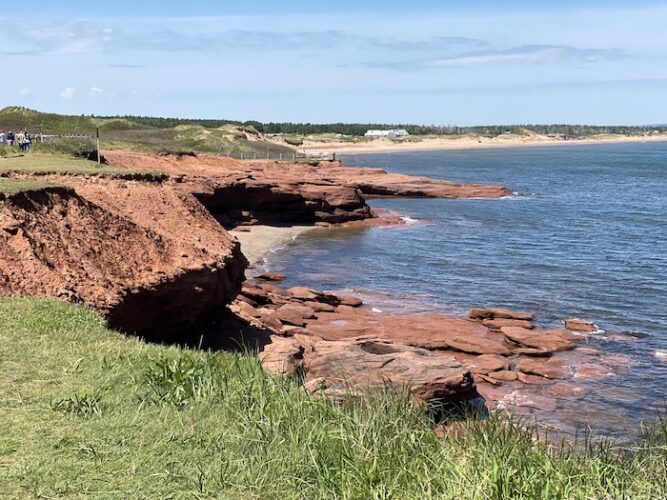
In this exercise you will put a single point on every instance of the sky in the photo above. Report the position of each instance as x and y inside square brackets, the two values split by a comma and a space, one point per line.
[419, 61]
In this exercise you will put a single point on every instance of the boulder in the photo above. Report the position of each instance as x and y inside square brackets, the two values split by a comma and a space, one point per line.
[348, 300]
[497, 313]
[504, 376]
[487, 363]
[552, 340]
[271, 276]
[319, 306]
[497, 324]
[294, 314]
[354, 366]
[282, 356]
[579, 325]
[270, 319]
[303, 293]
[552, 368]
[566, 390]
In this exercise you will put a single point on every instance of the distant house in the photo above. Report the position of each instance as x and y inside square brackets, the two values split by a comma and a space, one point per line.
[399, 132]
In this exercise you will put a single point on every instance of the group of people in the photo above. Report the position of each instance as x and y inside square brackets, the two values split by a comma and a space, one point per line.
[23, 139]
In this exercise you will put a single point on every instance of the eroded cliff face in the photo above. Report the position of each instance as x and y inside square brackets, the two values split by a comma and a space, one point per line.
[277, 192]
[147, 257]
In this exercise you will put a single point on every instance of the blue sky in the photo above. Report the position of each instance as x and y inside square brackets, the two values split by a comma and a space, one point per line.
[433, 62]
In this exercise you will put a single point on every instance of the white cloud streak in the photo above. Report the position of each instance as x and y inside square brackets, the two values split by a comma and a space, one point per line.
[67, 94]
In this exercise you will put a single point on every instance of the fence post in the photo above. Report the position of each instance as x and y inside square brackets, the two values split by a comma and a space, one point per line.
[242, 156]
[97, 133]
[281, 156]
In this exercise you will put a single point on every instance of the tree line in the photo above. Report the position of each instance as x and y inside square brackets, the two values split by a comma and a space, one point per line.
[359, 129]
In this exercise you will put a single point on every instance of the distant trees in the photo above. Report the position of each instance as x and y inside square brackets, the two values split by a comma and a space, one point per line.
[15, 117]
[359, 129]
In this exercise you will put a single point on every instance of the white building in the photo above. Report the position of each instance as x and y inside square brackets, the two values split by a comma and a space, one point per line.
[399, 132]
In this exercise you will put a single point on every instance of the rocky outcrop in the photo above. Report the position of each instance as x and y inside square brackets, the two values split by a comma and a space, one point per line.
[580, 325]
[348, 368]
[344, 350]
[119, 246]
[276, 192]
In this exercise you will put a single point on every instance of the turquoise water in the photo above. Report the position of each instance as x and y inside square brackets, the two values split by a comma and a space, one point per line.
[585, 236]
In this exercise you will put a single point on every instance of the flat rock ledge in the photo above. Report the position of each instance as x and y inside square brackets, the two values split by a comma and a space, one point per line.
[344, 349]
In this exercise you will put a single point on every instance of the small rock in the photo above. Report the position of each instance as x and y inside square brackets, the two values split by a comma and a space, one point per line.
[345, 309]
[319, 306]
[592, 372]
[348, 300]
[579, 325]
[272, 276]
[566, 390]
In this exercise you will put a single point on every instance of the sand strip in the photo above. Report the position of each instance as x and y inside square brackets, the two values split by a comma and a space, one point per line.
[257, 241]
[427, 144]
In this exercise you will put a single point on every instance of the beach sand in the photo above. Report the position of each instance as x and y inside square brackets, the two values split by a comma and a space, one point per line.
[257, 241]
[384, 145]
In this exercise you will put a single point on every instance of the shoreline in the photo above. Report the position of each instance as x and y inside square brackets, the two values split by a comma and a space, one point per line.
[442, 144]
[260, 240]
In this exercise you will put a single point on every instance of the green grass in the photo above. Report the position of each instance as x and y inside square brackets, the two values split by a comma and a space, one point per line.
[13, 186]
[47, 163]
[88, 413]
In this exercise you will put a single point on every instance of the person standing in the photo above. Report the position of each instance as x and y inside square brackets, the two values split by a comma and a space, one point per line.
[20, 139]
[10, 138]
[3, 136]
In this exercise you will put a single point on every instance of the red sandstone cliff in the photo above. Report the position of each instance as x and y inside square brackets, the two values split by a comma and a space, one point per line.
[147, 257]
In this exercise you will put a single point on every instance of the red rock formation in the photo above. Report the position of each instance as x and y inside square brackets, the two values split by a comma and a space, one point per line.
[579, 325]
[351, 367]
[249, 192]
[494, 313]
[320, 323]
[118, 247]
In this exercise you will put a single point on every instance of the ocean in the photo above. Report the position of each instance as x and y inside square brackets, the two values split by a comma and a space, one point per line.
[584, 236]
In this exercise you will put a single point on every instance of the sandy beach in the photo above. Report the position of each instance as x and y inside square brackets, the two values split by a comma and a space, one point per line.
[257, 241]
[384, 145]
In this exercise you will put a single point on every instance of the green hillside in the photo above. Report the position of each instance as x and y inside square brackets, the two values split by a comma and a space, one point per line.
[128, 133]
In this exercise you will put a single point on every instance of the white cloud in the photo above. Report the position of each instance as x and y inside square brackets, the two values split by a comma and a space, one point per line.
[25, 91]
[96, 91]
[67, 94]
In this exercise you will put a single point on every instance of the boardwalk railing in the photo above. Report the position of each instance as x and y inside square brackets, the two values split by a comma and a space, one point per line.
[45, 137]
[281, 156]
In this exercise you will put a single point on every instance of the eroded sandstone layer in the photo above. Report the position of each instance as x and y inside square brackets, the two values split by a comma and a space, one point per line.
[279, 192]
[148, 257]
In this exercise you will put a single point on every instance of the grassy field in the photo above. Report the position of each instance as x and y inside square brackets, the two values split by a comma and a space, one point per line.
[88, 413]
[46, 163]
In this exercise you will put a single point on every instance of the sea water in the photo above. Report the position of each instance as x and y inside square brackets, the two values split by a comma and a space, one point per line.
[584, 236]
